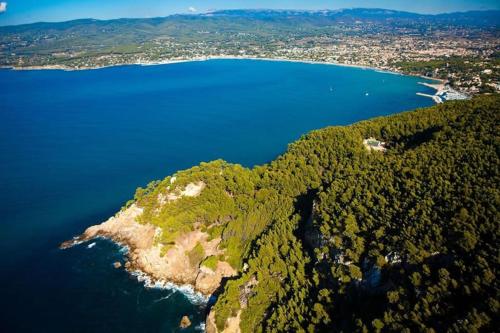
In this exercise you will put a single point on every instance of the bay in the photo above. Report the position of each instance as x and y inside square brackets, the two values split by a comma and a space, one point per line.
[75, 145]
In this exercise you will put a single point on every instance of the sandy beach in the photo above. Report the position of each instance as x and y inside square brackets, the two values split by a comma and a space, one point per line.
[177, 61]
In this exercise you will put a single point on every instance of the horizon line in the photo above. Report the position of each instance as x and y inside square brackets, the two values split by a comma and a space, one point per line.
[247, 9]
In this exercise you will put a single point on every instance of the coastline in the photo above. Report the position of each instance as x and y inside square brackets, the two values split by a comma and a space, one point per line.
[196, 59]
[208, 58]
[146, 260]
[147, 280]
[139, 255]
[194, 296]
[437, 97]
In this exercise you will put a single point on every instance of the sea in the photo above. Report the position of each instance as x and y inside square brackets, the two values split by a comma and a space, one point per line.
[74, 146]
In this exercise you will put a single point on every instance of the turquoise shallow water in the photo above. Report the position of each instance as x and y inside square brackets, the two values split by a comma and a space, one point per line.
[75, 145]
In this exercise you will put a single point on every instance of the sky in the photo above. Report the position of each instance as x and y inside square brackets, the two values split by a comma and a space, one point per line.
[27, 11]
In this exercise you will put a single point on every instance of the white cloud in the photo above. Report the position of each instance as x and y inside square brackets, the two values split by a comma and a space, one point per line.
[3, 7]
[192, 9]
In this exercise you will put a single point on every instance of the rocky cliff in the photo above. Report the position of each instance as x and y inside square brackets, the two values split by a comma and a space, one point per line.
[149, 256]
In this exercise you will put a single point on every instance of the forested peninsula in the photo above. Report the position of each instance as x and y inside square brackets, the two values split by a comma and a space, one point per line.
[335, 235]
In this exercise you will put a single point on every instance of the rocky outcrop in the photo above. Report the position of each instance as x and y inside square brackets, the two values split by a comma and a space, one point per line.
[145, 253]
[175, 265]
[207, 278]
[185, 322]
[122, 228]
[191, 190]
[232, 324]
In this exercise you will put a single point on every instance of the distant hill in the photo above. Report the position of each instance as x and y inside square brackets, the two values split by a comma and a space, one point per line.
[394, 39]
[91, 33]
[490, 18]
[472, 18]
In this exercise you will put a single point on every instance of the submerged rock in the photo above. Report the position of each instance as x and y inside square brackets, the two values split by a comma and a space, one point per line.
[117, 264]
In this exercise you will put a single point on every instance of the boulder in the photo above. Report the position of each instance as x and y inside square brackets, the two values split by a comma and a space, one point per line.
[185, 322]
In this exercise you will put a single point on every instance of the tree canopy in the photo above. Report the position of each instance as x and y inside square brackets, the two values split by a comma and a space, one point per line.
[334, 237]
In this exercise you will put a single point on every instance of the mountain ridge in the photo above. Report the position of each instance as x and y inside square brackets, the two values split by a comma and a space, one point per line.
[491, 16]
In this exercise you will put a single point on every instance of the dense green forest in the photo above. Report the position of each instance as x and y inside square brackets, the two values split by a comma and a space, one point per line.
[334, 237]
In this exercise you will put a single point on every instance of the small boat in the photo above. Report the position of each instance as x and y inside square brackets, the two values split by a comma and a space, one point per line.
[367, 94]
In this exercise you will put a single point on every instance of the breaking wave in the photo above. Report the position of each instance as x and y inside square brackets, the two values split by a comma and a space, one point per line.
[193, 296]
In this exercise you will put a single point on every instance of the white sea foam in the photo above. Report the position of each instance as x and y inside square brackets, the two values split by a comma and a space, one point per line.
[193, 296]
[75, 241]
[124, 249]
[91, 245]
[200, 327]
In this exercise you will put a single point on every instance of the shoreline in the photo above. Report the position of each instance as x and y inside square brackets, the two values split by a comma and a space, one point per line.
[439, 86]
[194, 296]
[148, 281]
[208, 58]
[144, 258]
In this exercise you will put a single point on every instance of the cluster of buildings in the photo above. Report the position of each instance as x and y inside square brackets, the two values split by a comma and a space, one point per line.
[476, 69]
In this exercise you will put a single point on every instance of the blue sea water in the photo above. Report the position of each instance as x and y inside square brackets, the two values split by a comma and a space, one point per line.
[75, 145]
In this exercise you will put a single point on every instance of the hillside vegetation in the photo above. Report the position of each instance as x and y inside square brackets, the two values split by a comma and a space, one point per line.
[461, 48]
[334, 237]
